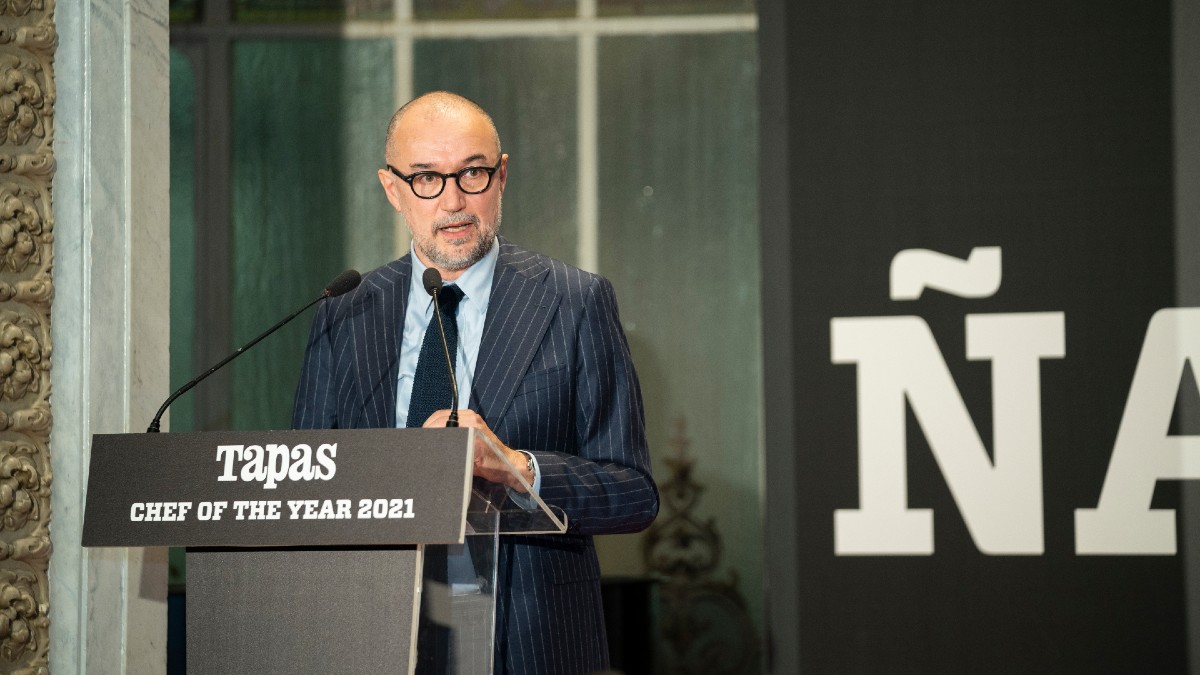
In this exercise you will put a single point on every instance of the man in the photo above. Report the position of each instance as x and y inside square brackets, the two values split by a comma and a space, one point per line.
[541, 361]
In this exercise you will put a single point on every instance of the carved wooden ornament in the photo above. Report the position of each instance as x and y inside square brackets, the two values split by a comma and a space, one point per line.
[27, 44]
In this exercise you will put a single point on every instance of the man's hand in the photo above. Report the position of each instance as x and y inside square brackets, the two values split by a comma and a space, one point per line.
[487, 465]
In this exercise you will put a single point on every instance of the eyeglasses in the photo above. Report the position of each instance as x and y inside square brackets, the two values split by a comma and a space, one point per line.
[429, 184]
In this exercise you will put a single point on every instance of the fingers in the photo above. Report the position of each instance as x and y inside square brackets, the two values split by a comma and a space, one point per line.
[466, 418]
[437, 419]
[485, 462]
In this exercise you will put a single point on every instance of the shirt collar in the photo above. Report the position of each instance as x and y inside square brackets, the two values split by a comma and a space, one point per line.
[475, 282]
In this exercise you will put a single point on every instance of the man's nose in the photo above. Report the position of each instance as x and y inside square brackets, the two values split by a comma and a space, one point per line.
[452, 198]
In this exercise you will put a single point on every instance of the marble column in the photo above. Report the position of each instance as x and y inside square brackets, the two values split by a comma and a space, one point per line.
[110, 316]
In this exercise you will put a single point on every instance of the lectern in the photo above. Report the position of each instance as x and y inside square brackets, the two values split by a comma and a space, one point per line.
[320, 551]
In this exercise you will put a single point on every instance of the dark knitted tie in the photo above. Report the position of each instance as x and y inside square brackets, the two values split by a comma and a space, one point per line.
[431, 383]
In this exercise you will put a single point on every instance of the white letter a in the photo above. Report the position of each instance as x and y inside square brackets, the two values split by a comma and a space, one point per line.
[1123, 522]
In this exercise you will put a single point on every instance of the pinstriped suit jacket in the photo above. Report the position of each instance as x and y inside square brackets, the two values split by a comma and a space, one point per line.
[554, 377]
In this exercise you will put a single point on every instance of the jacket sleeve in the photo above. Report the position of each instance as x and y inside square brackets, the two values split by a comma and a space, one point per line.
[605, 485]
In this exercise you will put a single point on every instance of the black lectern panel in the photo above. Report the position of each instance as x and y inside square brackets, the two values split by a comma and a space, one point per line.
[330, 611]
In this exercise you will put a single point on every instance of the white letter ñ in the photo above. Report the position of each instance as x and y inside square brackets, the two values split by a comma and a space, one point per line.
[898, 361]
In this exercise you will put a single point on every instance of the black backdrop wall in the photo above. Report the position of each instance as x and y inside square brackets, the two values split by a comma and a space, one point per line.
[939, 433]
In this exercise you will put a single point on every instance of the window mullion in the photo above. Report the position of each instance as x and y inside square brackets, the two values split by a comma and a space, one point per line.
[402, 73]
[588, 253]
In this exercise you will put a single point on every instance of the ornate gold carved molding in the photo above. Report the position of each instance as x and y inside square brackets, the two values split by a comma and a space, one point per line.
[27, 43]
[703, 618]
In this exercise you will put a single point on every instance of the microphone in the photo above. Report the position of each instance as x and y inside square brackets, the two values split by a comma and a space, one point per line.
[342, 284]
[432, 280]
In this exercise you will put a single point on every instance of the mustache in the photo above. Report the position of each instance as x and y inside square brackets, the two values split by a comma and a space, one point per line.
[455, 219]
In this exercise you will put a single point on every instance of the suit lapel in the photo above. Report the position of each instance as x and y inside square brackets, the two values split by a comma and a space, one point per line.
[519, 312]
[378, 329]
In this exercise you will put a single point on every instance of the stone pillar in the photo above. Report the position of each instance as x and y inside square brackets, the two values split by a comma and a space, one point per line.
[110, 315]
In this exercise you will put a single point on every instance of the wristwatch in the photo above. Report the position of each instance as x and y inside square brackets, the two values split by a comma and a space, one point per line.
[528, 461]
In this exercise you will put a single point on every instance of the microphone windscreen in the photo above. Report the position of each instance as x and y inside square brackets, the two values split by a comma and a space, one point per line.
[344, 283]
[432, 279]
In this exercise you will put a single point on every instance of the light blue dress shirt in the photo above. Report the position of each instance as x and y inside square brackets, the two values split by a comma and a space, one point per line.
[476, 284]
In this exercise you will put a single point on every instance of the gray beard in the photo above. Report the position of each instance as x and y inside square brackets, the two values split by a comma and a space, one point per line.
[455, 263]
[447, 260]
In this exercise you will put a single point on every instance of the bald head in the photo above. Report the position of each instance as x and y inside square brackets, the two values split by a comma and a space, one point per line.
[431, 109]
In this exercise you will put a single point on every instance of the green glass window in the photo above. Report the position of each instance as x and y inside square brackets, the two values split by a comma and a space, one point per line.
[679, 240]
[665, 7]
[183, 235]
[492, 9]
[263, 11]
[307, 141]
[184, 11]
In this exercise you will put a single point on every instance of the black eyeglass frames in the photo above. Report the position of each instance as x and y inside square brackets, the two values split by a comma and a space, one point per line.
[429, 184]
